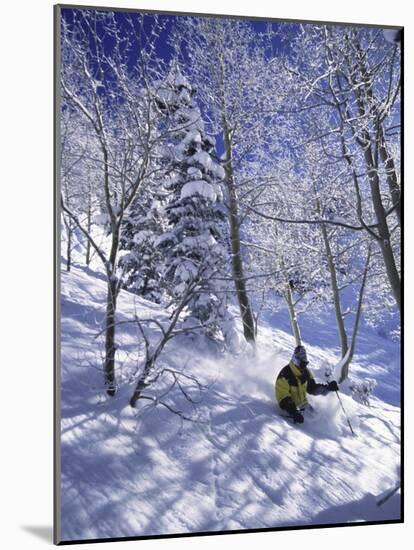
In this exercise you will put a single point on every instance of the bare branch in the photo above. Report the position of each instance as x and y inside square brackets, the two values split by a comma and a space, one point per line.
[308, 221]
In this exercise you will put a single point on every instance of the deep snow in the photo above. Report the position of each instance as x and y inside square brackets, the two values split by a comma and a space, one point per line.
[241, 465]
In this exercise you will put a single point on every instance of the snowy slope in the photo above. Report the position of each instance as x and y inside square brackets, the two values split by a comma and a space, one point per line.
[241, 465]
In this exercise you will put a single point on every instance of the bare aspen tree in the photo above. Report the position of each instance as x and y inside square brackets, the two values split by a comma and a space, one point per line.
[318, 255]
[114, 102]
[354, 85]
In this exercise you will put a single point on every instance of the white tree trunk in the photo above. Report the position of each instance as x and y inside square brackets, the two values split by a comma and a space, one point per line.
[292, 315]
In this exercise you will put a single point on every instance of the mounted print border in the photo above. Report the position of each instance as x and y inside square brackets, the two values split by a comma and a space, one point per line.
[228, 274]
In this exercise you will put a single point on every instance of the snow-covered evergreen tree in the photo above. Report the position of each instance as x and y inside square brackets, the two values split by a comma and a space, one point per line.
[194, 243]
[141, 264]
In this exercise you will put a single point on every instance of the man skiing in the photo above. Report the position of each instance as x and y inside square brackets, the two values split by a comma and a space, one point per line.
[294, 382]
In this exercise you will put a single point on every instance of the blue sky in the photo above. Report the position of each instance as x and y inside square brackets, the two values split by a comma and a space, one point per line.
[163, 48]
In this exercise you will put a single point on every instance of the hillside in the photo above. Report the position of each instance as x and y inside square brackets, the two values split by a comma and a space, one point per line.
[238, 464]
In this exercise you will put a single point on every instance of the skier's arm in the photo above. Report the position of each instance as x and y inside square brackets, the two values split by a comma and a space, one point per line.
[283, 396]
[314, 388]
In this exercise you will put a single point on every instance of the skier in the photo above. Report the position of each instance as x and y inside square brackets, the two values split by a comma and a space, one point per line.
[294, 381]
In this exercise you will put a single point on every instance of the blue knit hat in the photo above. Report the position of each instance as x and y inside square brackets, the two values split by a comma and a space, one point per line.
[299, 357]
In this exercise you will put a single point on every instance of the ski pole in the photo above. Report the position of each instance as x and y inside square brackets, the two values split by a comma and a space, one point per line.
[346, 416]
[328, 374]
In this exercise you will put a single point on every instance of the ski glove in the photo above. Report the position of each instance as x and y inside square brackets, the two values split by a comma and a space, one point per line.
[287, 404]
[298, 417]
[333, 386]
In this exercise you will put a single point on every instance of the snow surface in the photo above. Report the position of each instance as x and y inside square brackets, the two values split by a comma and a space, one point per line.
[128, 472]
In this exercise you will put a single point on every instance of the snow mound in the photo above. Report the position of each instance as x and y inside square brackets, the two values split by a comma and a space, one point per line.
[327, 419]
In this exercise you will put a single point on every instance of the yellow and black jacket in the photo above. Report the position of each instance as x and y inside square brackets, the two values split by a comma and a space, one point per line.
[293, 384]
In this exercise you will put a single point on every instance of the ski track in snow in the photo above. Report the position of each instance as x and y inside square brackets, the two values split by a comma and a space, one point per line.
[244, 466]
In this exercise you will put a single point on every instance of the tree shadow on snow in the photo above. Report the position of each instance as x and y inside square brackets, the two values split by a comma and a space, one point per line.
[364, 509]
